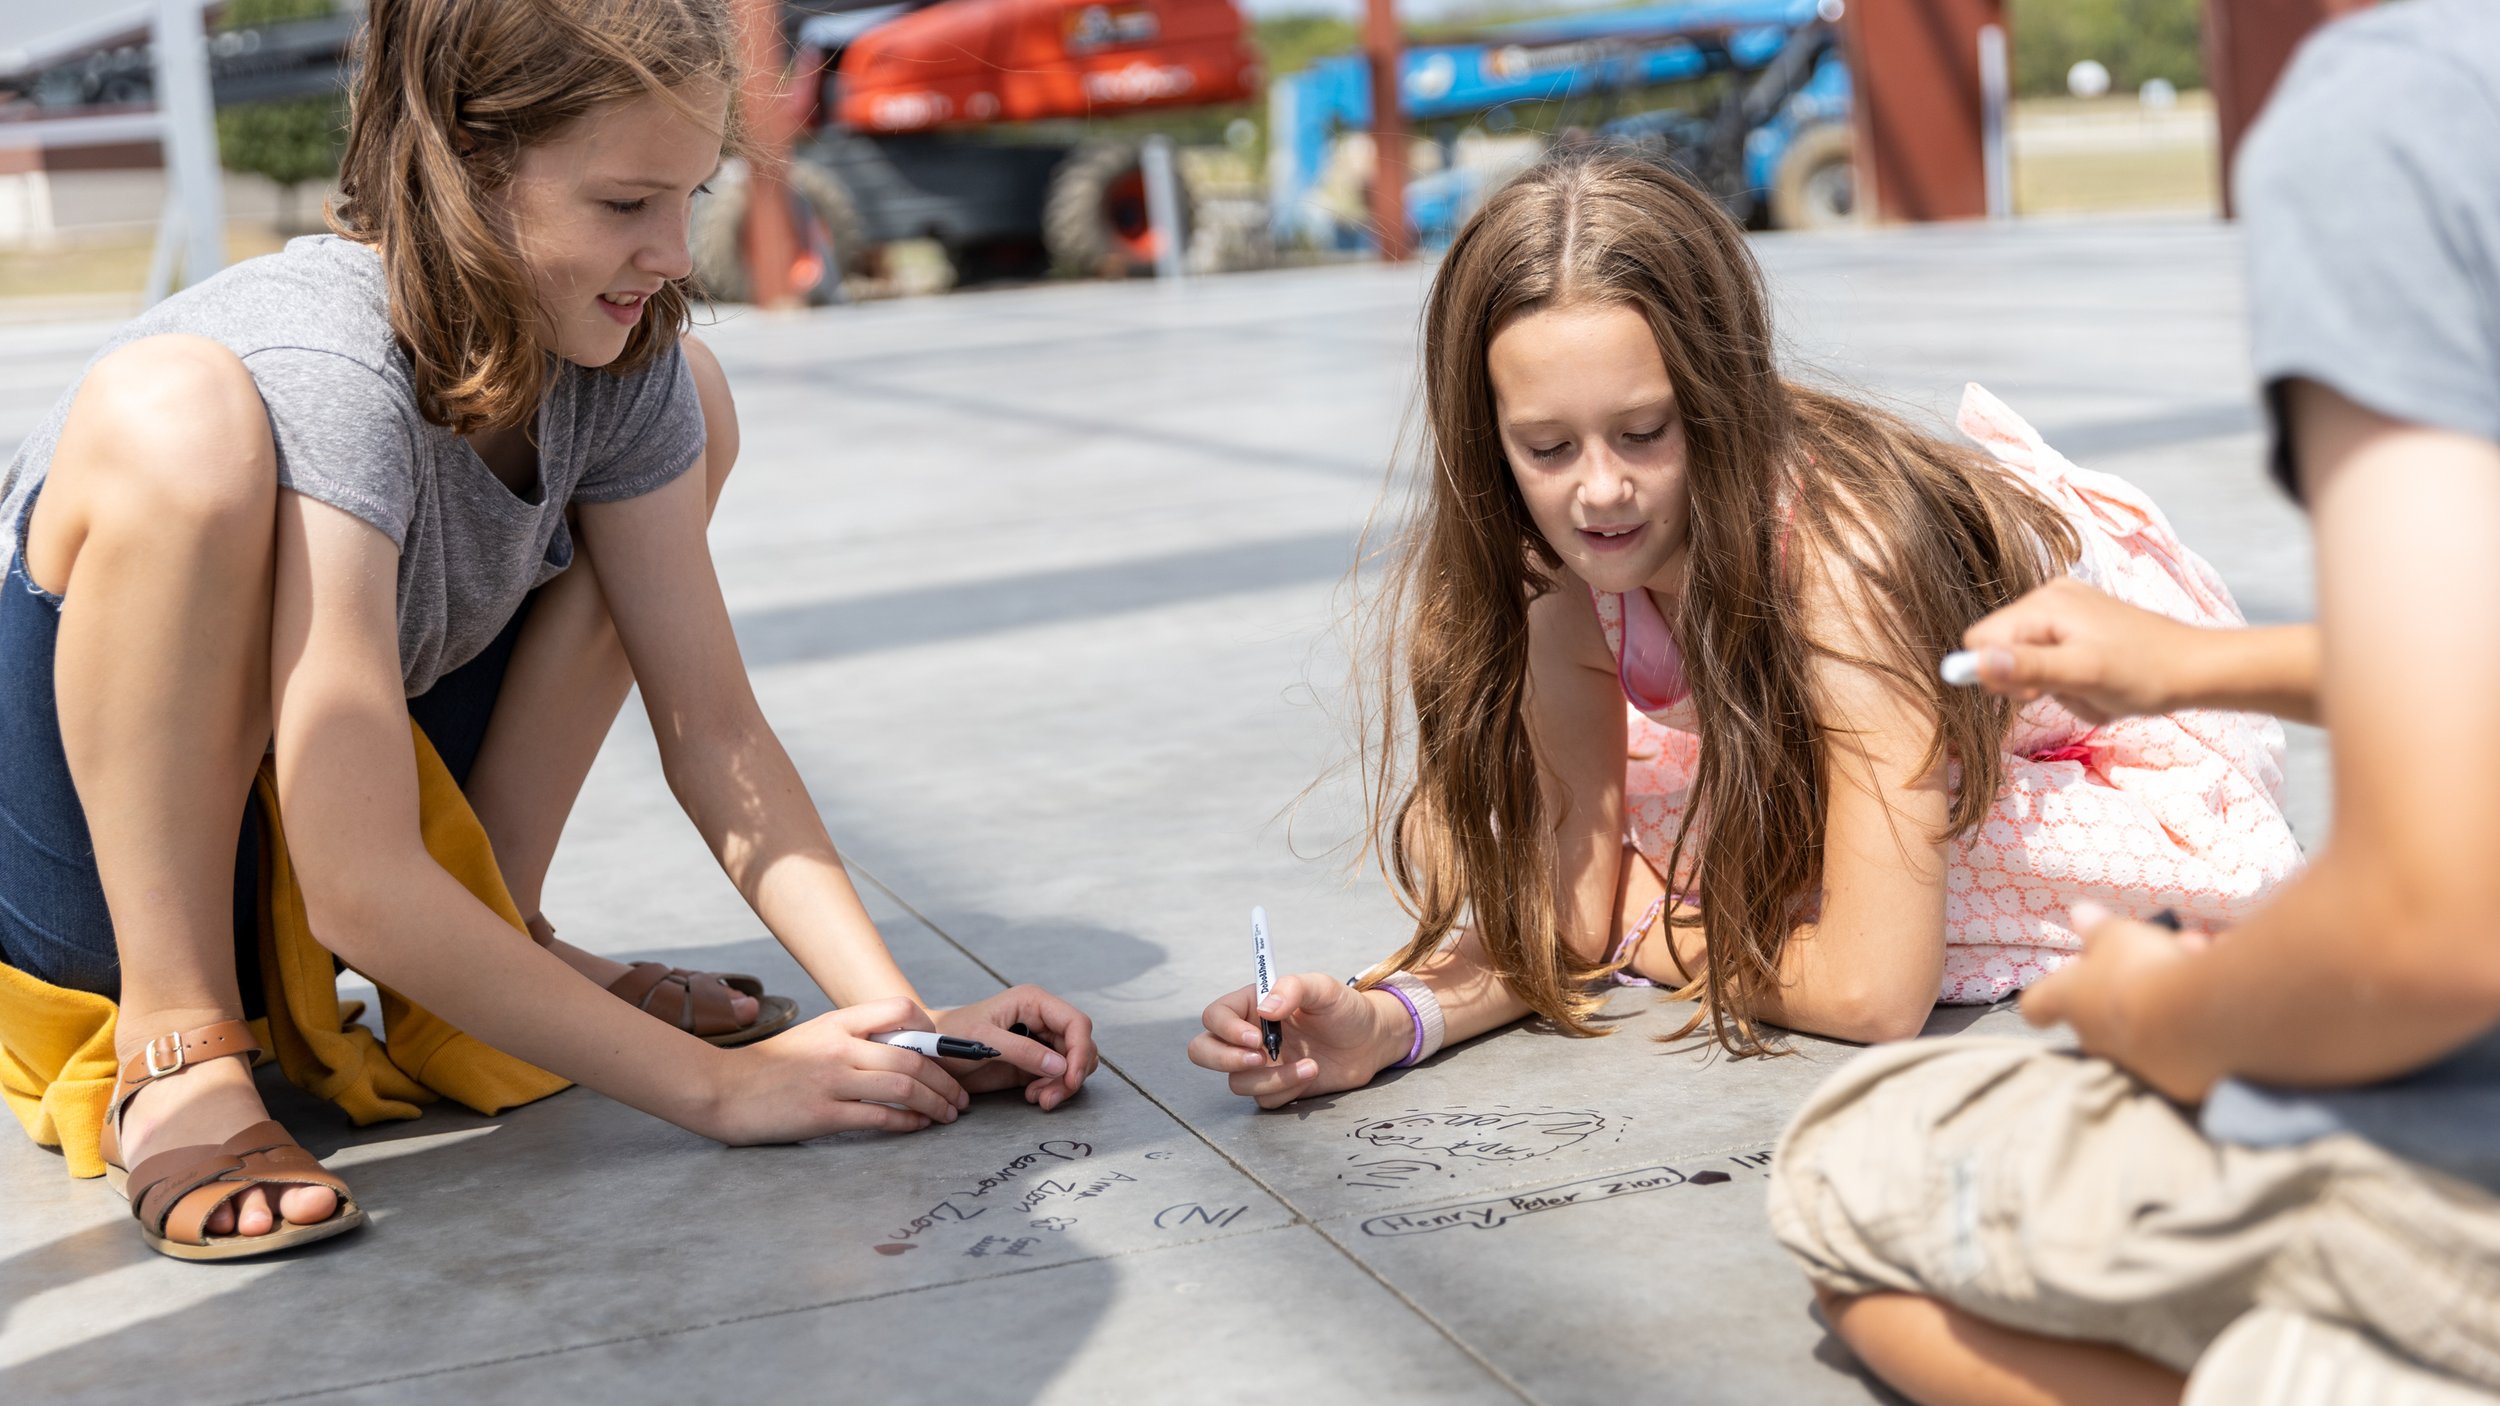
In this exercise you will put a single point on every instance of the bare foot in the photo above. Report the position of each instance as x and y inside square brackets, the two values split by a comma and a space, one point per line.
[607, 970]
[209, 1103]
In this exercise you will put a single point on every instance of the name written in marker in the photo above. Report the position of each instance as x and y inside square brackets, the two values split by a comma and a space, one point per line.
[1485, 1215]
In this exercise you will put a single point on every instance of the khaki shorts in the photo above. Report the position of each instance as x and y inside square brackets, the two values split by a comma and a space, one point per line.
[2052, 1193]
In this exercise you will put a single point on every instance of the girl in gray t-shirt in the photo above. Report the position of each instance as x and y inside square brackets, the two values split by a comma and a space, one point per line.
[341, 487]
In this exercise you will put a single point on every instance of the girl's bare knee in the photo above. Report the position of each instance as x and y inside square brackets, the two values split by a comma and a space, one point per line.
[166, 436]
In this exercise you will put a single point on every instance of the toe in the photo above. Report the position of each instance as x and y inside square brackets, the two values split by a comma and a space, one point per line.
[743, 1007]
[308, 1205]
[252, 1215]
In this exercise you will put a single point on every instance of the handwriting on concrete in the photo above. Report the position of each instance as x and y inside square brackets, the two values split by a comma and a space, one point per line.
[1422, 1145]
[1485, 1134]
[1496, 1211]
[1500, 1210]
[971, 1202]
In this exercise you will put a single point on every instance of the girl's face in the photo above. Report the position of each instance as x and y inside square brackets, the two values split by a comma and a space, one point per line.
[599, 214]
[1589, 422]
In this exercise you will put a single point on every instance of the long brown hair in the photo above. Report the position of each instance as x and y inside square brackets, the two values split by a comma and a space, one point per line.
[1935, 530]
[447, 95]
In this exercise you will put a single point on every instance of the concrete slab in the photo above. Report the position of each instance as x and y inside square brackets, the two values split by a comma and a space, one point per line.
[1042, 590]
[1277, 1315]
[576, 1221]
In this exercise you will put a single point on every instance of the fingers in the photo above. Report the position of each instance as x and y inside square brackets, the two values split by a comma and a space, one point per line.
[1224, 1057]
[1275, 1085]
[1076, 1042]
[875, 1118]
[1029, 1055]
[2044, 1002]
[1229, 1018]
[1069, 1032]
[887, 1059]
[899, 1090]
[1291, 993]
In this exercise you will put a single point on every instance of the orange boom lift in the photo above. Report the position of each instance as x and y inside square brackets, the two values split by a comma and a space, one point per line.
[934, 119]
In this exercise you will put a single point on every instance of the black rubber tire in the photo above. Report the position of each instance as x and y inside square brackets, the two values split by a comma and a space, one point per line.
[712, 232]
[1819, 161]
[1080, 228]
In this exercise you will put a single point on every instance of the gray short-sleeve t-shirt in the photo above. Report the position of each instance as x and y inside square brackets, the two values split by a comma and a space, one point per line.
[2369, 193]
[2370, 197]
[311, 323]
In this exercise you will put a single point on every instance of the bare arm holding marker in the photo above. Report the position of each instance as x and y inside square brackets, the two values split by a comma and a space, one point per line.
[2104, 659]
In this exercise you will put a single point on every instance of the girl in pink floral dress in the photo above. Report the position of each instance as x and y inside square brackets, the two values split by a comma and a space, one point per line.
[2179, 811]
[1661, 685]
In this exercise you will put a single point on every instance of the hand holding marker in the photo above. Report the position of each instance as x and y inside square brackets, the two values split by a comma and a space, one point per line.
[934, 1045]
[1271, 1033]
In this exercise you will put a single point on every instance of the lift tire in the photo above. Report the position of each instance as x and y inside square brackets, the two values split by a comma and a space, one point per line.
[1816, 184]
[713, 233]
[1094, 218]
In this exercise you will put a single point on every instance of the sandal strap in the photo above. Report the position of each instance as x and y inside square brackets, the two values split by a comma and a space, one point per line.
[170, 1054]
[175, 1192]
[745, 985]
[702, 998]
[166, 1056]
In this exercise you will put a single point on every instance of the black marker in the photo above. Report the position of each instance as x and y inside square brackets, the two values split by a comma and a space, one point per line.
[1271, 1033]
[934, 1045]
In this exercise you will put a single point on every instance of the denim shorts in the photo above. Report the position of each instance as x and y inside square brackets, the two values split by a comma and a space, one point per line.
[53, 922]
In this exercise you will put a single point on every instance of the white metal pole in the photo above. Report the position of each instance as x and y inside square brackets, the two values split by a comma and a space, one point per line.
[168, 251]
[190, 118]
[1163, 205]
[1997, 159]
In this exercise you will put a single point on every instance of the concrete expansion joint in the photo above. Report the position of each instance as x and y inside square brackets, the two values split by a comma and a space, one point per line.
[1301, 1218]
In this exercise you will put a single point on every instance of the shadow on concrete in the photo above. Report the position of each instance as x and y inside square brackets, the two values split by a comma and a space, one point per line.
[928, 615]
[1081, 956]
[567, 1241]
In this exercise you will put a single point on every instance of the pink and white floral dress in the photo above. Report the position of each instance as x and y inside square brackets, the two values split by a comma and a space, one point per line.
[2182, 811]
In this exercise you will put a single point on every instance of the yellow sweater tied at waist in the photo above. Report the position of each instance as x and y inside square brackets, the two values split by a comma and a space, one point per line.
[56, 1045]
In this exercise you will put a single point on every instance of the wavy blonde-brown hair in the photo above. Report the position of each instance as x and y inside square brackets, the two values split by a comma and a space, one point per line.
[1933, 530]
[447, 95]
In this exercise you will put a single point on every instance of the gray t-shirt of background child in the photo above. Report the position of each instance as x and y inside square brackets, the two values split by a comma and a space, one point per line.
[311, 324]
[2370, 195]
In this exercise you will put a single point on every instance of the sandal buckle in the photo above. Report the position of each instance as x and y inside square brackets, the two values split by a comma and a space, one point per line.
[149, 1051]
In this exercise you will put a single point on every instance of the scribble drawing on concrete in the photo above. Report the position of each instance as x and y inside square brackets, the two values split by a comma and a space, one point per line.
[1190, 1213]
[1387, 1173]
[1489, 1214]
[1495, 1134]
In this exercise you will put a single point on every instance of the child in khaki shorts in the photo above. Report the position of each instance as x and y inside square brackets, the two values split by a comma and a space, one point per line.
[2271, 1173]
[2052, 1193]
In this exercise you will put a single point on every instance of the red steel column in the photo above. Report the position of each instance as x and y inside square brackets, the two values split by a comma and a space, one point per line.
[2248, 44]
[1386, 47]
[769, 239]
[1914, 80]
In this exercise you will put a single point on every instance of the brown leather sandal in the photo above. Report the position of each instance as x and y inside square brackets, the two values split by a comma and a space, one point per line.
[698, 1002]
[173, 1193]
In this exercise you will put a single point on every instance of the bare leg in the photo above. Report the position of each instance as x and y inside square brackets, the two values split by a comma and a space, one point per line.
[1938, 1355]
[561, 693]
[155, 525]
